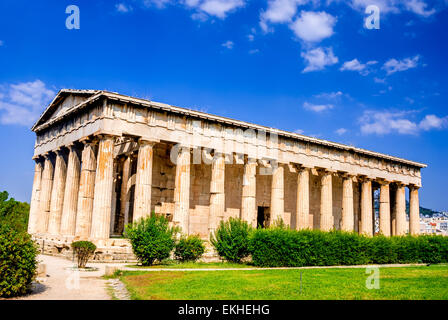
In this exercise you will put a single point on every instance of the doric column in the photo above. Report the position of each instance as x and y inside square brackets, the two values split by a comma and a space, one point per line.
[366, 208]
[414, 211]
[35, 215]
[70, 208]
[248, 202]
[125, 194]
[182, 189]
[217, 195]
[393, 209]
[104, 180]
[303, 198]
[45, 194]
[143, 181]
[277, 193]
[400, 206]
[326, 201]
[86, 190]
[57, 194]
[385, 209]
[348, 215]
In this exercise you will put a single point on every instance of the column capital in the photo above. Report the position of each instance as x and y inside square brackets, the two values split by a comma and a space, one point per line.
[399, 184]
[413, 187]
[382, 182]
[248, 160]
[326, 171]
[88, 140]
[145, 141]
[364, 178]
[38, 158]
[347, 175]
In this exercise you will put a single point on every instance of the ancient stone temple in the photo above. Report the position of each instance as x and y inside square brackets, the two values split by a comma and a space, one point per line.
[103, 160]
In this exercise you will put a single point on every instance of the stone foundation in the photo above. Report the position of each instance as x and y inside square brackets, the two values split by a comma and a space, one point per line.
[111, 250]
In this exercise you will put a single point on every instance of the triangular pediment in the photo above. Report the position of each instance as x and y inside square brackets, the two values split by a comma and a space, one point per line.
[64, 101]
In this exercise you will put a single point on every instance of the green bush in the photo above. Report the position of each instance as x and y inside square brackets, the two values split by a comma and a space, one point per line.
[231, 239]
[83, 251]
[189, 248]
[13, 213]
[17, 261]
[278, 247]
[152, 238]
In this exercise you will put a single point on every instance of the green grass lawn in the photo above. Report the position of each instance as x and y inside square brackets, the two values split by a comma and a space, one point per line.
[420, 282]
[193, 265]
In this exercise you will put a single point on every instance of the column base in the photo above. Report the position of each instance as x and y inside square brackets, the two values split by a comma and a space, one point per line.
[108, 250]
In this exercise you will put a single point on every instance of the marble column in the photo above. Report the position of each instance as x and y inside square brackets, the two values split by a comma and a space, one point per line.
[70, 207]
[104, 181]
[277, 193]
[125, 194]
[393, 210]
[249, 192]
[400, 205]
[348, 215]
[35, 215]
[86, 190]
[366, 208]
[45, 194]
[182, 189]
[143, 181]
[57, 194]
[385, 209]
[414, 211]
[326, 201]
[217, 192]
[303, 199]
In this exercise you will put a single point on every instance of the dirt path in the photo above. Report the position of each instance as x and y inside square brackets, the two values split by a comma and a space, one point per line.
[61, 283]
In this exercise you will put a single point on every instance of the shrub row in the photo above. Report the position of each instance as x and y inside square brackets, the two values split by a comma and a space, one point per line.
[152, 240]
[279, 247]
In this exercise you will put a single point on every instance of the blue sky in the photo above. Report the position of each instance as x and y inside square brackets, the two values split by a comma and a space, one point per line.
[298, 65]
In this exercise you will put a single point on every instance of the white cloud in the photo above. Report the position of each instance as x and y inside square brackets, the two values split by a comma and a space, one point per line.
[279, 11]
[419, 7]
[394, 65]
[318, 59]
[157, 3]
[433, 122]
[219, 8]
[385, 122]
[329, 95]
[379, 80]
[22, 103]
[341, 131]
[313, 26]
[123, 8]
[254, 51]
[204, 8]
[299, 131]
[1, 43]
[228, 44]
[385, 6]
[355, 65]
[317, 107]
[250, 37]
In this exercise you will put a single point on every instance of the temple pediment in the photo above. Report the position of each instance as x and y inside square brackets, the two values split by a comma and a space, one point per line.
[65, 100]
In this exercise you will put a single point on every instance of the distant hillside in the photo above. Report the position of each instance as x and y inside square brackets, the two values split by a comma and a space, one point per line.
[423, 211]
